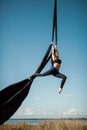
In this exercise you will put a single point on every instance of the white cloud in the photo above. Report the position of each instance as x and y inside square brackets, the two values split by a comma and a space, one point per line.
[71, 111]
[27, 111]
[43, 113]
[23, 113]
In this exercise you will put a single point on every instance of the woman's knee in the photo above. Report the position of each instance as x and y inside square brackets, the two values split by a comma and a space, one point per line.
[65, 77]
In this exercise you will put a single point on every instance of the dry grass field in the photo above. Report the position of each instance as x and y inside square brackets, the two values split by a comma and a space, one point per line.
[56, 125]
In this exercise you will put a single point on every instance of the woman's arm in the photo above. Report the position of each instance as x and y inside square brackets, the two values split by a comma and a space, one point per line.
[53, 51]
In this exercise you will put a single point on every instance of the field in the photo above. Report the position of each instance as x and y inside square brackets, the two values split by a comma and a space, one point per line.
[55, 125]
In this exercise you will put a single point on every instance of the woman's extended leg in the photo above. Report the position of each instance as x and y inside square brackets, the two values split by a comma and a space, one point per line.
[49, 72]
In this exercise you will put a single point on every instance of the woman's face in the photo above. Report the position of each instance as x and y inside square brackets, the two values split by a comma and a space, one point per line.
[56, 54]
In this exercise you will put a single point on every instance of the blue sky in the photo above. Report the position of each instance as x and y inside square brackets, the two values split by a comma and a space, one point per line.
[25, 34]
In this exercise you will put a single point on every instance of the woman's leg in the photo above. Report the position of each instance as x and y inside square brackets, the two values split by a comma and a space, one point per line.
[49, 72]
[63, 77]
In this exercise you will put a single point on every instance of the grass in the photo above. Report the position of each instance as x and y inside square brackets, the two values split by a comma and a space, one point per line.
[53, 125]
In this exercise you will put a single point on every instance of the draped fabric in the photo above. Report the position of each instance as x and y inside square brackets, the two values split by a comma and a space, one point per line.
[54, 29]
[12, 96]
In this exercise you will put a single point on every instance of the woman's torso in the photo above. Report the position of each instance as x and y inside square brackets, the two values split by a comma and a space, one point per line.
[57, 63]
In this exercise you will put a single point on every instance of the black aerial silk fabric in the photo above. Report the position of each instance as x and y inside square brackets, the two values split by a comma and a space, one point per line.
[54, 29]
[12, 96]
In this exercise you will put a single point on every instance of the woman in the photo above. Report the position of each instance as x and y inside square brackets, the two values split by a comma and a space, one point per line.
[56, 64]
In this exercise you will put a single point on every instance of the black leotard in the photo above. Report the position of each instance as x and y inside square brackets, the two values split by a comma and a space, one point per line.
[57, 61]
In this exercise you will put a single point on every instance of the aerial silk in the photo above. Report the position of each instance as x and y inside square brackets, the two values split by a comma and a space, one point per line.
[54, 29]
[12, 96]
